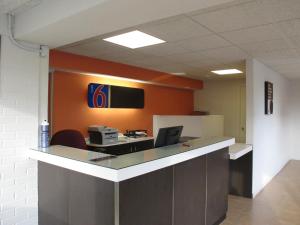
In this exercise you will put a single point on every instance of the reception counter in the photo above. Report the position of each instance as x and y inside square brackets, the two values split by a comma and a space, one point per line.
[186, 183]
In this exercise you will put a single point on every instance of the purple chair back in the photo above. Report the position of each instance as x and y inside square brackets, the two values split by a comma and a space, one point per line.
[70, 138]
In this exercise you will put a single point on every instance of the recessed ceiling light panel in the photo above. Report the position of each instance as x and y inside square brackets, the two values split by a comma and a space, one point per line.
[227, 72]
[134, 39]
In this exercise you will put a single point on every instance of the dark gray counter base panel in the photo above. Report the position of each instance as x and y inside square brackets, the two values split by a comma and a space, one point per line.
[241, 176]
[184, 194]
[71, 198]
[147, 199]
[217, 186]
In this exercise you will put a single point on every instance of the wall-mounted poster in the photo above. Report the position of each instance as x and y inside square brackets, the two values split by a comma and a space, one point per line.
[268, 98]
[109, 96]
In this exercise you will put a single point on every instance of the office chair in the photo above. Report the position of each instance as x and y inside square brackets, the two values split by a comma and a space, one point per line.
[70, 138]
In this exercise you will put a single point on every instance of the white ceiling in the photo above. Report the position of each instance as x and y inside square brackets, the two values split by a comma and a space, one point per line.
[76, 20]
[218, 38]
[16, 5]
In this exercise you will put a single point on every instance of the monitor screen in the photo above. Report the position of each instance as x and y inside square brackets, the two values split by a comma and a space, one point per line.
[168, 136]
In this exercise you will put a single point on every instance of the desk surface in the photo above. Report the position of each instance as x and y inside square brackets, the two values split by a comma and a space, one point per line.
[238, 150]
[123, 167]
[121, 141]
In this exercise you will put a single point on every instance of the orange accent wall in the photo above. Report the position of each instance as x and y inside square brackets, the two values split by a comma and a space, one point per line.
[70, 109]
[65, 60]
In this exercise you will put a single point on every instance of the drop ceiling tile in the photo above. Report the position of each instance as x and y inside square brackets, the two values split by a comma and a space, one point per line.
[278, 55]
[95, 48]
[280, 10]
[188, 57]
[153, 61]
[287, 68]
[127, 55]
[164, 49]
[226, 55]
[235, 17]
[78, 51]
[218, 7]
[82, 42]
[255, 34]
[296, 41]
[156, 68]
[203, 43]
[174, 68]
[174, 30]
[203, 64]
[274, 62]
[295, 75]
[141, 64]
[290, 28]
[264, 46]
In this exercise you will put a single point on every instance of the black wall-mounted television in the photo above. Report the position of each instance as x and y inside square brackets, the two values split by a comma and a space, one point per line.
[124, 97]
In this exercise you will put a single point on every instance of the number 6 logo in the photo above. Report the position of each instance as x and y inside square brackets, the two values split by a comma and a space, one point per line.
[99, 94]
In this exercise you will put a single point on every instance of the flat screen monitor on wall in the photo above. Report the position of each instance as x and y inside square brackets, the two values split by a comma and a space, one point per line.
[124, 97]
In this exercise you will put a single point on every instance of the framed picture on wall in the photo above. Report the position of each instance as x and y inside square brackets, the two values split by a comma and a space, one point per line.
[268, 98]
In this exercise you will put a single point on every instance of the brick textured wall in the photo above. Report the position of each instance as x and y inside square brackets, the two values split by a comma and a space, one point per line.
[19, 85]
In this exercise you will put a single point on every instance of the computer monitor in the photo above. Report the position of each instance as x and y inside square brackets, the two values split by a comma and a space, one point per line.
[168, 136]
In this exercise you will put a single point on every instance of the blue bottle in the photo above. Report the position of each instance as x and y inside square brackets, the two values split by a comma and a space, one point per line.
[44, 129]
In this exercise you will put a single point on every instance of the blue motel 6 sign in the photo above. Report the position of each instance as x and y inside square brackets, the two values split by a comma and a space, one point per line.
[98, 95]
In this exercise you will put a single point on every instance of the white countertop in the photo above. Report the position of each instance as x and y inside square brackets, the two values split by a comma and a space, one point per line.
[238, 150]
[121, 141]
[130, 165]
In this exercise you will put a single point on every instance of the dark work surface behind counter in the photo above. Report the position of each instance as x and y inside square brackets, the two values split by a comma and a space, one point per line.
[130, 147]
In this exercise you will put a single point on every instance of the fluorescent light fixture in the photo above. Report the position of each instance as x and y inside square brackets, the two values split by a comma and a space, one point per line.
[179, 73]
[227, 72]
[134, 39]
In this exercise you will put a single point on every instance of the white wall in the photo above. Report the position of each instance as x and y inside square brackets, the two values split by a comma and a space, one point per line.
[294, 109]
[193, 126]
[21, 73]
[269, 134]
[224, 97]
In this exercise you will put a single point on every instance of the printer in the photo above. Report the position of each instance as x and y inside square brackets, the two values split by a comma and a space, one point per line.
[102, 135]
